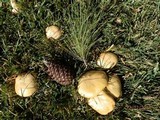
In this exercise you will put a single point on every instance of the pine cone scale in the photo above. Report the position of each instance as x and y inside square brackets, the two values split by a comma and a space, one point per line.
[59, 72]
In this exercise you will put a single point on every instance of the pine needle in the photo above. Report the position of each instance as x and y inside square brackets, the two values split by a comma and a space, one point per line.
[84, 29]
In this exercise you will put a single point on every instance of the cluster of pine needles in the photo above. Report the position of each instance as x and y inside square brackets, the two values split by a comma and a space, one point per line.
[90, 27]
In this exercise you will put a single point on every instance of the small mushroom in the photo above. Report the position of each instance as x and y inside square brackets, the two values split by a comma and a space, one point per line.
[92, 83]
[25, 85]
[114, 86]
[53, 32]
[107, 60]
[16, 6]
[102, 103]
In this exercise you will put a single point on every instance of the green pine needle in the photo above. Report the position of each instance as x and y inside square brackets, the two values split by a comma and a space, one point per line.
[84, 27]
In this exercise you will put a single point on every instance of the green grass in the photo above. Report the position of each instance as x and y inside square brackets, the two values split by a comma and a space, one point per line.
[23, 45]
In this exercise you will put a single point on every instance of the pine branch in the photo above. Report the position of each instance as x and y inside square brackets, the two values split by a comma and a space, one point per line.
[84, 26]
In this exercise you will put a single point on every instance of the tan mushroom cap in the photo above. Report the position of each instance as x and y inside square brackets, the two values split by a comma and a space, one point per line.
[102, 103]
[107, 60]
[92, 83]
[53, 32]
[25, 85]
[114, 86]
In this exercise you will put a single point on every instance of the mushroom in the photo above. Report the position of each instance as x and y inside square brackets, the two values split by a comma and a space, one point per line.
[102, 103]
[16, 6]
[114, 86]
[53, 32]
[92, 83]
[107, 60]
[25, 85]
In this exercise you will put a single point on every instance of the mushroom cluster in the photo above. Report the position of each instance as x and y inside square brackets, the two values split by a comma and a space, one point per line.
[99, 88]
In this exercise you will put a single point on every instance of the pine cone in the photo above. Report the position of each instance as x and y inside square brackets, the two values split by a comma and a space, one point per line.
[59, 72]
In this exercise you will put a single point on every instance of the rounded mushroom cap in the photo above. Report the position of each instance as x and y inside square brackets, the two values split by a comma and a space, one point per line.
[107, 60]
[25, 85]
[92, 83]
[53, 32]
[102, 103]
[114, 86]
